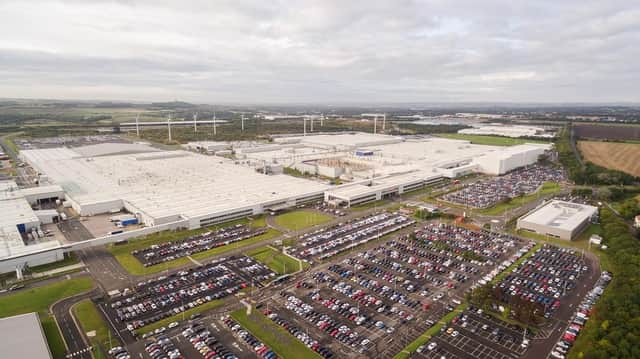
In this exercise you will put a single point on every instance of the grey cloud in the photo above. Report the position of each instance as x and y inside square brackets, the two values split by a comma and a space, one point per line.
[321, 51]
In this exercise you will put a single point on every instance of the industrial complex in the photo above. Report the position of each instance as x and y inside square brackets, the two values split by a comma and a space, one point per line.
[191, 189]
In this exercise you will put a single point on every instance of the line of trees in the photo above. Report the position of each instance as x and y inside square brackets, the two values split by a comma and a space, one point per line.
[613, 330]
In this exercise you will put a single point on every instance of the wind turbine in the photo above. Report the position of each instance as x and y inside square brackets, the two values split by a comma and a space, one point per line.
[137, 127]
[169, 125]
[195, 122]
[242, 119]
[214, 123]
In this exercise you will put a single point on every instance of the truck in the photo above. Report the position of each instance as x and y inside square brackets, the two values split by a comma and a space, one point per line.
[129, 221]
[121, 217]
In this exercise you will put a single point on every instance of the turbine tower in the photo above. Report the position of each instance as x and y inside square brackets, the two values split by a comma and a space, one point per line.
[169, 126]
[242, 119]
[214, 124]
[195, 122]
[137, 126]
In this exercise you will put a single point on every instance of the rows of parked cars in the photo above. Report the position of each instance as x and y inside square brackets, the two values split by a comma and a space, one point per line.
[379, 287]
[326, 243]
[487, 193]
[162, 348]
[480, 246]
[119, 353]
[580, 317]
[160, 298]
[205, 343]
[164, 252]
[299, 334]
[261, 350]
[544, 278]
[324, 322]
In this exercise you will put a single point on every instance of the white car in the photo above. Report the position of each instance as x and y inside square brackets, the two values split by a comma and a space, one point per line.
[173, 324]
[432, 345]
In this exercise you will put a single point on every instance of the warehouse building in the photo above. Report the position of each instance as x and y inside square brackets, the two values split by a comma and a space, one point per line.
[20, 233]
[168, 186]
[558, 219]
[23, 337]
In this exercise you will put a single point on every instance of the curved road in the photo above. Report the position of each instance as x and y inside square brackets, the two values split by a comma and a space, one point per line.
[73, 336]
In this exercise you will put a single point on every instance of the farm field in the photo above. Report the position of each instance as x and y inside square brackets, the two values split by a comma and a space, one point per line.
[608, 132]
[613, 155]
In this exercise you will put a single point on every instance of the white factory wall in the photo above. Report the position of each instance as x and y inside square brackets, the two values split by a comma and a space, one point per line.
[332, 172]
[91, 209]
[32, 260]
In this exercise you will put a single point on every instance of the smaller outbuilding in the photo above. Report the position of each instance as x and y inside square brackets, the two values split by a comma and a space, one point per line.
[559, 219]
[23, 337]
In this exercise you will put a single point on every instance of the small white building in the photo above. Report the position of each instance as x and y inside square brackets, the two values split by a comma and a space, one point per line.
[559, 219]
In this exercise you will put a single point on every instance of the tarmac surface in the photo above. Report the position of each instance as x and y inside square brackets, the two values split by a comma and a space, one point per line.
[73, 338]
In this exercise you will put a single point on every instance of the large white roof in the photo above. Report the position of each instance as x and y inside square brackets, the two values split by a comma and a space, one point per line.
[166, 183]
[16, 210]
[561, 214]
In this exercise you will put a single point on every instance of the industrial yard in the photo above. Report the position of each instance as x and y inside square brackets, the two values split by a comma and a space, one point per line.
[200, 253]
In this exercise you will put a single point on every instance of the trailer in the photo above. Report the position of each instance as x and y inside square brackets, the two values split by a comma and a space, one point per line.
[129, 221]
[122, 217]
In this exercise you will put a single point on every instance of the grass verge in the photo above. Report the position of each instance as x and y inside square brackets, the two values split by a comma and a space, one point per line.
[297, 220]
[426, 336]
[89, 320]
[123, 255]
[179, 317]
[272, 335]
[488, 140]
[369, 205]
[277, 261]
[39, 300]
[69, 259]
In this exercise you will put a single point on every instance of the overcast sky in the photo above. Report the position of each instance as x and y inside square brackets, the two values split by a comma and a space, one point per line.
[321, 51]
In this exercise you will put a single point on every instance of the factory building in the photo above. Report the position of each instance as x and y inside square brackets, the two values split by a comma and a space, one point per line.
[168, 186]
[558, 219]
[20, 232]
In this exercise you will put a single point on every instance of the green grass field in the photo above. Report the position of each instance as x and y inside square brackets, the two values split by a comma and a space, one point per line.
[297, 220]
[90, 319]
[179, 317]
[547, 189]
[38, 300]
[273, 335]
[277, 261]
[122, 253]
[489, 140]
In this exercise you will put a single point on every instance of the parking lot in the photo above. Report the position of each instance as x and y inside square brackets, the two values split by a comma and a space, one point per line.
[327, 242]
[544, 279]
[357, 305]
[487, 193]
[197, 338]
[474, 334]
[164, 296]
[168, 251]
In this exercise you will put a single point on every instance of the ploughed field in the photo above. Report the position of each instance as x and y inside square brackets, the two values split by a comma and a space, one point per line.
[608, 132]
[617, 156]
